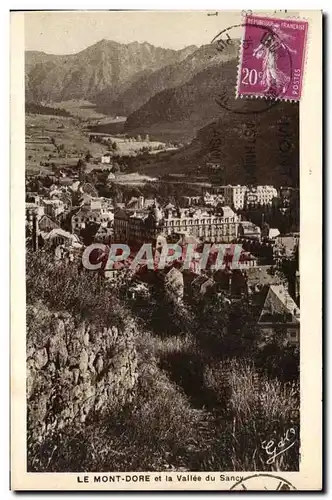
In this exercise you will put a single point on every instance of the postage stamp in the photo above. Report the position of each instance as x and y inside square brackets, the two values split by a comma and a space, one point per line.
[272, 58]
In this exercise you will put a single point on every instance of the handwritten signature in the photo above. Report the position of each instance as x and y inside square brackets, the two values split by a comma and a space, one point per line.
[275, 449]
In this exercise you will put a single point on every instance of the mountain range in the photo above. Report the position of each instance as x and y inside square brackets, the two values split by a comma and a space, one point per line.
[106, 69]
[173, 95]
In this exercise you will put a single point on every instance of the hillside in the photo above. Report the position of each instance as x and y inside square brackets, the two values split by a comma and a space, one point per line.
[195, 100]
[180, 114]
[106, 66]
[169, 77]
[270, 137]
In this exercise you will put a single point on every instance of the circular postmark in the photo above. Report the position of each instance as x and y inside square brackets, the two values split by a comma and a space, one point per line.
[227, 97]
[263, 482]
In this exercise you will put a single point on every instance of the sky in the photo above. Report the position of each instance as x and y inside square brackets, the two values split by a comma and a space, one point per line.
[71, 32]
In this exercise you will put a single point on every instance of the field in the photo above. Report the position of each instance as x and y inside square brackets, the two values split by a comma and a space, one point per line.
[61, 141]
[69, 142]
[85, 110]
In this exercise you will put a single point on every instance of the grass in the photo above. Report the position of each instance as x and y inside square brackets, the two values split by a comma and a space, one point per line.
[191, 410]
[66, 131]
[70, 133]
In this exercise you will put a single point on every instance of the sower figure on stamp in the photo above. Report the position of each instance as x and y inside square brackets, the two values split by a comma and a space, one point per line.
[267, 50]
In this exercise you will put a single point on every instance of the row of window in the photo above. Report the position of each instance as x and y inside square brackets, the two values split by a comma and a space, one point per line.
[89, 219]
[198, 222]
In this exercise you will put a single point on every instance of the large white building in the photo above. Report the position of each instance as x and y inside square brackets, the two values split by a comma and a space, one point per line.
[144, 226]
[241, 197]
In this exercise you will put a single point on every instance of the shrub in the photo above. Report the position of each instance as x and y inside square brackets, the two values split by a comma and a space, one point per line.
[256, 409]
[64, 287]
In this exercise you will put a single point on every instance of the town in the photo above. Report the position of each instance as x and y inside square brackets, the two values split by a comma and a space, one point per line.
[65, 213]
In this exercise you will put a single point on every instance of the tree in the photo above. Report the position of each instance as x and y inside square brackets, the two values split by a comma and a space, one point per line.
[116, 167]
[81, 164]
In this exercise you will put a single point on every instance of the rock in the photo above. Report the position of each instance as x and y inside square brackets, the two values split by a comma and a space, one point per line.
[41, 408]
[62, 355]
[91, 362]
[99, 364]
[29, 382]
[84, 360]
[76, 374]
[60, 329]
[54, 345]
[67, 368]
[74, 351]
[41, 358]
[86, 339]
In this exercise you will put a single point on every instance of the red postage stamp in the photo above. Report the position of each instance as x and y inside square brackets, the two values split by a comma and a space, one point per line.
[272, 58]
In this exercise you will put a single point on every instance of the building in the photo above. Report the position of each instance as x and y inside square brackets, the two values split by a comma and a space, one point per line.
[46, 224]
[248, 230]
[53, 207]
[106, 158]
[104, 235]
[213, 200]
[32, 197]
[286, 245]
[280, 314]
[86, 216]
[256, 278]
[256, 196]
[58, 237]
[140, 203]
[241, 197]
[33, 211]
[189, 201]
[273, 233]
[145, 225]
[219, 227]
[234, 196]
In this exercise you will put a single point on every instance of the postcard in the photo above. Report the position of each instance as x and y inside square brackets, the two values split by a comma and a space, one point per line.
[166, 250]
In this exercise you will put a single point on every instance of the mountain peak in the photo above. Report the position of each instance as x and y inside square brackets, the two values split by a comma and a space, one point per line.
[105, 67]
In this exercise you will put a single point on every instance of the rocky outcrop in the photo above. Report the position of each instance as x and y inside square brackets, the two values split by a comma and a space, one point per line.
[75, 371]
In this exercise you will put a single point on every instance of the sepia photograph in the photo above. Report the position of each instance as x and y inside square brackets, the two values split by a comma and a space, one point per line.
[162, 243]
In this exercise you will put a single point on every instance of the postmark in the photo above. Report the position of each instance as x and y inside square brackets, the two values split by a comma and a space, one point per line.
[228, 95]
[259, 482]
[272, 58]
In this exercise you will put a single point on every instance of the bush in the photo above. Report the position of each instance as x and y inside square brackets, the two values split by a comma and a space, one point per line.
[64, 287]
[255, 409]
